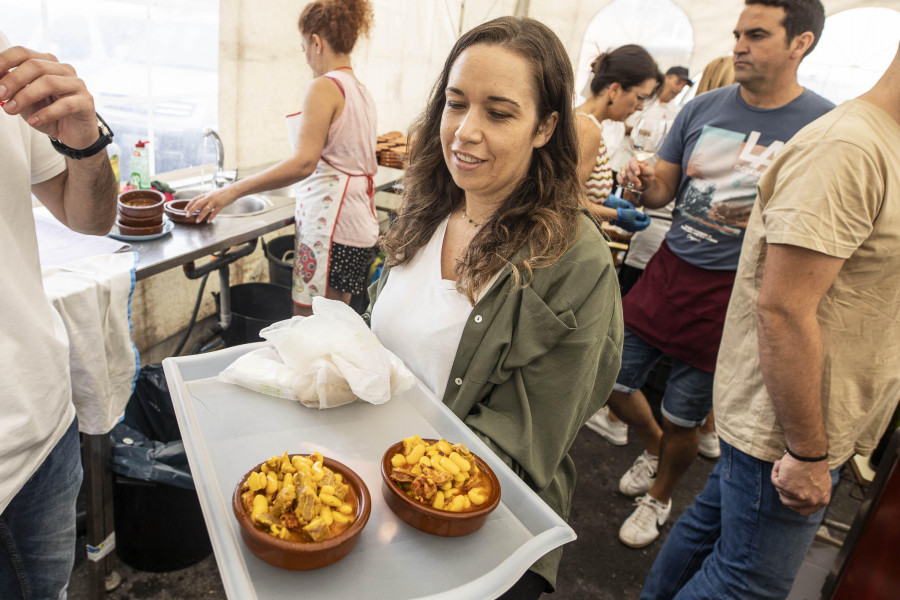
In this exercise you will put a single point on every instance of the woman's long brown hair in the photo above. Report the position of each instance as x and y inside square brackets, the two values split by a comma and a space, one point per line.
[540, 213]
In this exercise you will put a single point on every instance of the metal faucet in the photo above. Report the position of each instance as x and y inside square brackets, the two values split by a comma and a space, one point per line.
[220, 175]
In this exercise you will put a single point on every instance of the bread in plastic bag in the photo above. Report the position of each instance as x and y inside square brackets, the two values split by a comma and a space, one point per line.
[326, 360]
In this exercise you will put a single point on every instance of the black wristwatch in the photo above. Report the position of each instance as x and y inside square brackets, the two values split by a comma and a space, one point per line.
[105, 139]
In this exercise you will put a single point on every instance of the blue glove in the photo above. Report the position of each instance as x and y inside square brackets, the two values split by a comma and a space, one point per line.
[630, 219]
[613, 201]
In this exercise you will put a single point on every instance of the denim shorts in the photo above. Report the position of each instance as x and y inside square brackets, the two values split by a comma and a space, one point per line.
[688, 397]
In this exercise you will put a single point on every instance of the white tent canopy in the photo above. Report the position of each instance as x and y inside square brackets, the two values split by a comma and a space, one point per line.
[262, 74]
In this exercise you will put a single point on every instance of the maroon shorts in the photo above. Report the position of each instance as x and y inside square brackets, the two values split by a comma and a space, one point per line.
[679, 308]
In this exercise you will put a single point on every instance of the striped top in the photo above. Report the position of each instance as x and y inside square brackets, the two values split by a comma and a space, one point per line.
[599, 184]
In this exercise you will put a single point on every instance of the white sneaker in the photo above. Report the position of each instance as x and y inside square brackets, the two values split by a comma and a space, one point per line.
[709, 445]
[642, 527]
[614, 432]
[640, 477]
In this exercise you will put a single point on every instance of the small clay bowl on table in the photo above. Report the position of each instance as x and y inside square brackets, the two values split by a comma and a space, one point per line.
[305, 556]
[125, 229]
[175, 211]
[141, 204]
[431, 520]
[134, 222]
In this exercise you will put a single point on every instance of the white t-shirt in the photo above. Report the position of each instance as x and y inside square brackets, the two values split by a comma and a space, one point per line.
[666, 111]
[644, 244]
[613, 135]
[35, 401]
[420, 316]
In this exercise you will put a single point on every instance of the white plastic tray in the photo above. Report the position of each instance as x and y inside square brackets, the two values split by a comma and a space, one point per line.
[228, 429]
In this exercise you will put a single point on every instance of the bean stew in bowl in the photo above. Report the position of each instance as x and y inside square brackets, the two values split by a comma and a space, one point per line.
[438, 487]
[301, 511]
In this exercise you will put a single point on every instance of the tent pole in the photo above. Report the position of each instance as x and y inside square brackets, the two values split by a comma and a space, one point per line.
[522, 7]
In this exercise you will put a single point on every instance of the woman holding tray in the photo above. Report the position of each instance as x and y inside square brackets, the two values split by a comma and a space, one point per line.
[499, 293]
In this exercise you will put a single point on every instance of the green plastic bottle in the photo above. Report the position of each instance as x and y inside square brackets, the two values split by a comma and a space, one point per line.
[140, 166]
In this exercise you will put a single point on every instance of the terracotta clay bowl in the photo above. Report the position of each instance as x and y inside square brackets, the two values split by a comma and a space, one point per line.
[138, 231]
[135, 222]
[304, 556]
[141, 204]
[431, 520]
[175, 211]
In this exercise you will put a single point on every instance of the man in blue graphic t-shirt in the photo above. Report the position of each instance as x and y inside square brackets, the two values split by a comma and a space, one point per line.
[719, 145]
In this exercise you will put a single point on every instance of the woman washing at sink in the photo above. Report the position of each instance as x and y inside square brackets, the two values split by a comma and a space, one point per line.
[334, 155]
[499, 293]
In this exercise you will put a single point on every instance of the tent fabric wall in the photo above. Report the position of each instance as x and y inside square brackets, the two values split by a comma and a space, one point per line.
[263, 74]
[712, 21]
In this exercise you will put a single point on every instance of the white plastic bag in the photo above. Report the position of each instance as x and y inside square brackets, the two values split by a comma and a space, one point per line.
[323, 361]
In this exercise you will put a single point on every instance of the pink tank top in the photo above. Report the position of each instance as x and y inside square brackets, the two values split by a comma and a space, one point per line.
[350, 148]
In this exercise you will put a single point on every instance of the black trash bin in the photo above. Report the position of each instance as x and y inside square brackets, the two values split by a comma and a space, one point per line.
[159, 523]
[255, 306]
[280, 253]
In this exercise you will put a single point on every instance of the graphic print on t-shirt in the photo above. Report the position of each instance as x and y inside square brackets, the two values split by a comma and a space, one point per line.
[722, 173]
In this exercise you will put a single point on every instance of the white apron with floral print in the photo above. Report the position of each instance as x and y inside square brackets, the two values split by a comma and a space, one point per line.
[318, 206]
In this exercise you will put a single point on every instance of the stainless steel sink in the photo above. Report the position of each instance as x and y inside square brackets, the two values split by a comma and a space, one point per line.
[245, 206]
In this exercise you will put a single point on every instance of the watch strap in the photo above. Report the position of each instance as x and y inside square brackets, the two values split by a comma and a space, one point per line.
[105, 139]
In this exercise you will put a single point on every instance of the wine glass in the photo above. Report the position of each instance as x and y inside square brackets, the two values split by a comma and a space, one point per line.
[645, 140]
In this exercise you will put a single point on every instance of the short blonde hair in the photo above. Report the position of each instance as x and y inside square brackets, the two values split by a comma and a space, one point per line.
[718, 73]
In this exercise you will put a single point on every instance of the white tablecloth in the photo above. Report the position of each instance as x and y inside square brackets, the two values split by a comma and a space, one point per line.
[92, 294]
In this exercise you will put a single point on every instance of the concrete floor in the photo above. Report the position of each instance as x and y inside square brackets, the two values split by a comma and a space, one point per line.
[595, 566]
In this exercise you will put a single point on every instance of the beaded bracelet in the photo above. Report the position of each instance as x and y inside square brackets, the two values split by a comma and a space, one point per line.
[805, 458]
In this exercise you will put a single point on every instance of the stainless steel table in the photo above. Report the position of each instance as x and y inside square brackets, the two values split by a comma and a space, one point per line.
[385, 199]
[387, 177]
[189, 242]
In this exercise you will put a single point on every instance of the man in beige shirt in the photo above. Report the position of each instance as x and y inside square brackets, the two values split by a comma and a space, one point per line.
[809, 366]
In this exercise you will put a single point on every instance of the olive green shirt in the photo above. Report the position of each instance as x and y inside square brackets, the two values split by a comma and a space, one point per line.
[534, 364]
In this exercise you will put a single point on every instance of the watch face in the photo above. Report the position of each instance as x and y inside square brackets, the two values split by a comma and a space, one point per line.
[104, 128]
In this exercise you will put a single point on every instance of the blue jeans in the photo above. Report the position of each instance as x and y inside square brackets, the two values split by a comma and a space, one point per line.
[688, 397]
[736, 541]
[37, 529]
